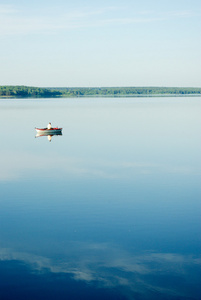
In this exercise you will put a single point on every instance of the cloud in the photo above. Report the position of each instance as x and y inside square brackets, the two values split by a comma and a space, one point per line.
[7, 9]
[18, 22]
[14, 21]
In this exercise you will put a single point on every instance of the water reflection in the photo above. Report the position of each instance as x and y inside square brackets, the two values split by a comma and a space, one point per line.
[49, 136]
[112, 211]
[145, 275]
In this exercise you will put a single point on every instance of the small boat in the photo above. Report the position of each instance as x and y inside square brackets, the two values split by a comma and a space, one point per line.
[46, 131]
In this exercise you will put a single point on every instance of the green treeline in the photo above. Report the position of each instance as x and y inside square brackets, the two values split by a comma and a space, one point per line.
[28, 92]
[35, 92]
[127, 91]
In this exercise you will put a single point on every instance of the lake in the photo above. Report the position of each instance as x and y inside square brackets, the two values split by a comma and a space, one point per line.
[108, 210]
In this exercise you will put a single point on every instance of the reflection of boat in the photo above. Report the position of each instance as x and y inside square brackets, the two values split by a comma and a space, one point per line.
[47, 131]
[47, 134]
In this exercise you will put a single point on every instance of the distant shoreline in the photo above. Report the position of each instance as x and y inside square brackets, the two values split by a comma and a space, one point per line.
[102, 96]
[20, 92]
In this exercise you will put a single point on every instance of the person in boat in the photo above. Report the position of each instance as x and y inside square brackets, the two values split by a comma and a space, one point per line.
[49, 126]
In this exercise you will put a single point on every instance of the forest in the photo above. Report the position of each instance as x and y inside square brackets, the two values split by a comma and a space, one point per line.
[127, 91]
[28, 92]
[36, 92]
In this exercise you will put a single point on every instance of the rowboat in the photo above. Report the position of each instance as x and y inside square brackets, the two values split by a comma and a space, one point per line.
[46, 131]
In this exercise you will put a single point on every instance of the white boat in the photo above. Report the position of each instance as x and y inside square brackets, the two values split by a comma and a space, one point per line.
[46, 131]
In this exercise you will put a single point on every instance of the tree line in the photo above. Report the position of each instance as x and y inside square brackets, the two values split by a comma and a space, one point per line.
[35, 92]
[28, 92]
[127, 91]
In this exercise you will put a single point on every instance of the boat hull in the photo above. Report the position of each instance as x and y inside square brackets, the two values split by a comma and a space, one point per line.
[51, 131]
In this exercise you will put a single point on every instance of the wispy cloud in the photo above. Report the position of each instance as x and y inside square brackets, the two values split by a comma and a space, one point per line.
[13, 21]
[7, 9]
[17, 22]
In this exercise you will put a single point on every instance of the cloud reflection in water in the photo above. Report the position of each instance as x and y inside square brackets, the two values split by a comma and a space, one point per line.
[164, 274]
[24, 164]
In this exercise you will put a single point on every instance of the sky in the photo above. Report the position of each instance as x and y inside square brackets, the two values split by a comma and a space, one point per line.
[65, 43]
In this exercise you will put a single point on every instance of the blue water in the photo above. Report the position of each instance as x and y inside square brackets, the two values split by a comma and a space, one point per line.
[108, 210]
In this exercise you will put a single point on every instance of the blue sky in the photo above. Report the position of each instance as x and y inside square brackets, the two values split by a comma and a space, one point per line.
[100, 43]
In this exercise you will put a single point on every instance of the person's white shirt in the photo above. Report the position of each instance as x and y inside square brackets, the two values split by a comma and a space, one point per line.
[49, 126]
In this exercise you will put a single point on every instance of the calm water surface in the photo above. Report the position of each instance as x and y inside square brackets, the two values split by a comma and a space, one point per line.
[108, 210]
